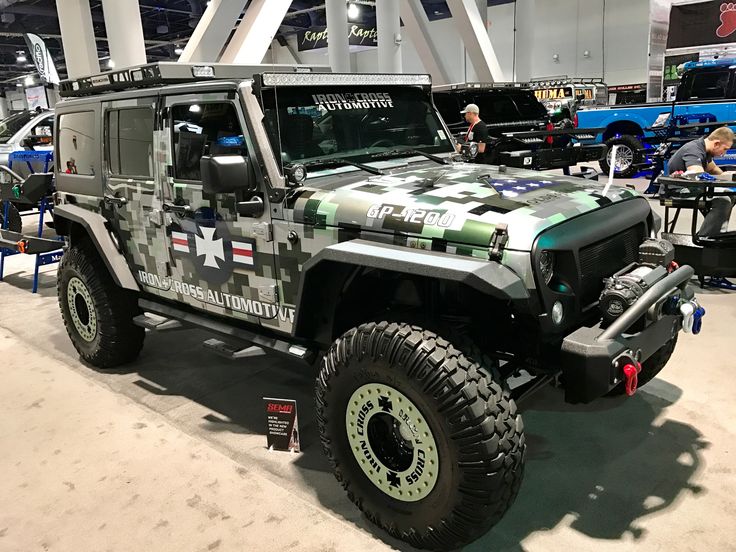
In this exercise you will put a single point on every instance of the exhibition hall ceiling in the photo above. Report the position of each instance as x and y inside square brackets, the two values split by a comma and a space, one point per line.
[167, 25]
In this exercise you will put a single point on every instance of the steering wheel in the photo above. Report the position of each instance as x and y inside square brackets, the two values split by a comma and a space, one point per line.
[383, 142]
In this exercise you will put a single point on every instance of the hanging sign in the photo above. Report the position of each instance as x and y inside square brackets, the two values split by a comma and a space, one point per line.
[42, 58]
[316, 37]
[702, 24]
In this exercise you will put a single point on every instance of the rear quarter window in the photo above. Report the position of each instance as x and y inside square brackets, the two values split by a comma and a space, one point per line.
[78, 146]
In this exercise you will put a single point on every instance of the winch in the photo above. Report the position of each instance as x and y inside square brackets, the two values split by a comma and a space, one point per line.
[624, 288]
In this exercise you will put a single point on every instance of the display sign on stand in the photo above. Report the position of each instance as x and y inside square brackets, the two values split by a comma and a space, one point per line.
[282, 424]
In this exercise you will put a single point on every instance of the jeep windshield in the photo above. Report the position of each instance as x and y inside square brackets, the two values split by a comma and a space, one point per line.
[11, 125]
[318, 125]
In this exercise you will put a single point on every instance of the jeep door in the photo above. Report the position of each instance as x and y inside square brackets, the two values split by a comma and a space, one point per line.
[132, 201]
[220, 261]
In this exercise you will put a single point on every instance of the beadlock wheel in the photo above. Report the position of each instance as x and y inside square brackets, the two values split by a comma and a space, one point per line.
[81, 309]
[424, 438]
[392, 442]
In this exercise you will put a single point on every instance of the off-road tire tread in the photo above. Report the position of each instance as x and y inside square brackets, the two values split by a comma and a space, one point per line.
[120, 339]
[481, 413]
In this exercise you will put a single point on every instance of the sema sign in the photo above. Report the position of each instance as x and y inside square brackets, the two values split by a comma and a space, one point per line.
[316, 38]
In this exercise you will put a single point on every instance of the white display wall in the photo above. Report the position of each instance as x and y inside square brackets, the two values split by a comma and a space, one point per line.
[613, 32]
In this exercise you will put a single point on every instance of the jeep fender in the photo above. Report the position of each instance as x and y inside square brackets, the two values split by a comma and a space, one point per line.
[325, 274]
[95, 226]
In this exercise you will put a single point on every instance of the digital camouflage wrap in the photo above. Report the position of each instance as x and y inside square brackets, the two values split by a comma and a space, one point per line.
[193, 248]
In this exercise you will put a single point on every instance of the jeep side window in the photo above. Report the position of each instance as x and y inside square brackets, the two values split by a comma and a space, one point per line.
[77, 143]
[204, 129]
[130, 141]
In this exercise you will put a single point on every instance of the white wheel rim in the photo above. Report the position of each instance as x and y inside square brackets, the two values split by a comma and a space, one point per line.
[81, 309]
[392, 442]
[624, 157]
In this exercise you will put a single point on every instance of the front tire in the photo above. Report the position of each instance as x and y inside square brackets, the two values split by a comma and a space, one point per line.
[628, 156]
[426, 441]
[98, 314]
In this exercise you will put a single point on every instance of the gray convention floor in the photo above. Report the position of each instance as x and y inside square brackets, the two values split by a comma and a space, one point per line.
[169, 453]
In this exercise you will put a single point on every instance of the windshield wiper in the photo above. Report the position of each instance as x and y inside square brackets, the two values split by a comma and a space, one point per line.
[336, 160]
[397, 152]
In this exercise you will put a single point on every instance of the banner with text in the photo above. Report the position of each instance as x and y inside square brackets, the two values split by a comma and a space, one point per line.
[316, 38]
[42, 58]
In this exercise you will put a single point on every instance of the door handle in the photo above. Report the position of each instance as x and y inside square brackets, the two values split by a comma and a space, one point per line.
[171, 208]
[253, 208]
[114, 201]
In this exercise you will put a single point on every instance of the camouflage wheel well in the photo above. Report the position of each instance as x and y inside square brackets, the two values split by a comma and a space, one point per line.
[349, 295]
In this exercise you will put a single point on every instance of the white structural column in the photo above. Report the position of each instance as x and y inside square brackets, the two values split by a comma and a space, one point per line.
[255, 33]
[524, 41]
[78, 38]
[389, 30]
[338, 46]
[416, 27]
[472, 29]
[212, 31]
[124, 32]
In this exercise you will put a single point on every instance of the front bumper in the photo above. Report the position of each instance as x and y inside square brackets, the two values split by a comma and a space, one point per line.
[593, 358]
[552, 158]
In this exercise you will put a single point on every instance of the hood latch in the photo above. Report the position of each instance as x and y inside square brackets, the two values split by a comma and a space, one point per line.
[498, 242]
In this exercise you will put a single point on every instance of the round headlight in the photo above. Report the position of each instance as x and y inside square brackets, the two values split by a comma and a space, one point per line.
[557, 312]
[547, 265]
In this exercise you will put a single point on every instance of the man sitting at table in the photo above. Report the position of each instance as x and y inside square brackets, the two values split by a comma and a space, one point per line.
[697, 157]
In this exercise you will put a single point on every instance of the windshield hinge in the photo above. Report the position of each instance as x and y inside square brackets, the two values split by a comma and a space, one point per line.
[498, 242]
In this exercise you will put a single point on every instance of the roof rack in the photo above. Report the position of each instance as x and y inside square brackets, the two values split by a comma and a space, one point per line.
[563, 80]
[172, 72]
[479, 86]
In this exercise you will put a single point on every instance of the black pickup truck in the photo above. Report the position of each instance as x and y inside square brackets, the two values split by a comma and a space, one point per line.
[524, 135]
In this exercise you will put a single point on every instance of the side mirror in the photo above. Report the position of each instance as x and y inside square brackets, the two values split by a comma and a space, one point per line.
[29, 143]
[223, 174]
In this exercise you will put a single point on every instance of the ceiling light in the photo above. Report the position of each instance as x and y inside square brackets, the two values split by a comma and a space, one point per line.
[353, 11]
[29, 80]
[178, 50]
[21, 57]
[18, 84]
[110, 63]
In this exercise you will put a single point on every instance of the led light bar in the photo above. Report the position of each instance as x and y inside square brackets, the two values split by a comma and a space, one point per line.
[725, 62]
[342, 79]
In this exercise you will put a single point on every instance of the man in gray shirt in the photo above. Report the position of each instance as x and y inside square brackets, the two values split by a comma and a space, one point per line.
[697, 157]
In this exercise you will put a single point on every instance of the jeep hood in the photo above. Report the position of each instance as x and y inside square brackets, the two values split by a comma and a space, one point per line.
[461, 203]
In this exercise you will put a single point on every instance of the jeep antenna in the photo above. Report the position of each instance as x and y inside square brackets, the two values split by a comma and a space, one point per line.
[611, 170]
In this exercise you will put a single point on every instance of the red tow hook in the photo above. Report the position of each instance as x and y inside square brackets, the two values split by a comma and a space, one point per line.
[631, 374]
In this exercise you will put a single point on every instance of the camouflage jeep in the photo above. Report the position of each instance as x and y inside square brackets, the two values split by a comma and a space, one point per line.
[327, 217]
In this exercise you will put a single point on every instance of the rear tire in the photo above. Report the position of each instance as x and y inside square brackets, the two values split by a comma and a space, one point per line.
[426, 441]
[649, 368]
[15, 223]
[98, 314]
[629, 150]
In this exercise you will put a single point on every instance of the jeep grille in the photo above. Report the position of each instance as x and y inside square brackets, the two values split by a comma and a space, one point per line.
[604, 258]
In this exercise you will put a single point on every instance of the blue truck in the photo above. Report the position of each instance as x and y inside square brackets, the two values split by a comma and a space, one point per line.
[707, 93]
